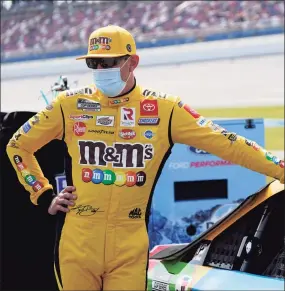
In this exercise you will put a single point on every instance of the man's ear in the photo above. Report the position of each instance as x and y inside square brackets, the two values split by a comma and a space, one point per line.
[134, 62]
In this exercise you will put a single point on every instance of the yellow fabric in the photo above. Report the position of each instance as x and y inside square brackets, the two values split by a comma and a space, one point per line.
[96, 253]
[110, 41]
[104, 240]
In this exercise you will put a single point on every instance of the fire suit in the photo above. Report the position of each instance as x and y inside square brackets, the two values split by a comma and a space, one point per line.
[118, 147]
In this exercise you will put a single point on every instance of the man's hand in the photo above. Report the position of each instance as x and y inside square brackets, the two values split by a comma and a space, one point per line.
[65, 197]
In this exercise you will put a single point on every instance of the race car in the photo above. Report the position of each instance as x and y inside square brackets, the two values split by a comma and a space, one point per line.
[242, 251]
[218, 214]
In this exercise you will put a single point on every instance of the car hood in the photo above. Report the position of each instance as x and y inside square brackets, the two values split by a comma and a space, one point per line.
[172, 251]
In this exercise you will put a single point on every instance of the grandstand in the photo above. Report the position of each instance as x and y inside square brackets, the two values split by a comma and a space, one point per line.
[40, 27]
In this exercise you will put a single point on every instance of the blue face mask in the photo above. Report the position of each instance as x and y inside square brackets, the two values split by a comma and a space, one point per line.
[109, 81]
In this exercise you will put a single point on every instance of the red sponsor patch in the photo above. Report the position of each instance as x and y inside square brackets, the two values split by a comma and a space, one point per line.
[79, 128]
[194, 113]
[131, 178]
[127, 133]
[281, 164]
[87, 175]
[37, 186]
[256, 146]
[149, 108]
[21, 166]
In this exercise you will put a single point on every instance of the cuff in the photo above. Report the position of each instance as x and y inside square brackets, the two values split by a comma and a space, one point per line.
[46, 198]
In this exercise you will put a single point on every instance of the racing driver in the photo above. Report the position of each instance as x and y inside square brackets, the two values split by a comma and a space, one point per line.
[118, 135]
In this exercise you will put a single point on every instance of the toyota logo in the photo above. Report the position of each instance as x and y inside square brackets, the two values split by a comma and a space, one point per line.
[149, 107]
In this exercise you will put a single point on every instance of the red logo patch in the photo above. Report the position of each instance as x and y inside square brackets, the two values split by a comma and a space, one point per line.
[21, 166]
[37, 186]
[127, 133]
[87, 175]
[194, 113]
[281, 164]
[79, 128]
[149, 108]
[256, 146]
[131, 178]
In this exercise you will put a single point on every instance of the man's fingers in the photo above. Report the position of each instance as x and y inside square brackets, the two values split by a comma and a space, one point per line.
[67, 196]
[61, 208]
[68, 189]
[65, 201]
[62, 199]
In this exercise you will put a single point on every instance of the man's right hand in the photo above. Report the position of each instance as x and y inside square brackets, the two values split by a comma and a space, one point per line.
[65, 197]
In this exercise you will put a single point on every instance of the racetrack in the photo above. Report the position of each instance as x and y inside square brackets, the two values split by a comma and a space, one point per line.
[225, 83]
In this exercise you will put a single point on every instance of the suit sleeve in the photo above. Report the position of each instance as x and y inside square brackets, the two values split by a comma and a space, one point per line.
[189, 127]
[43, 127]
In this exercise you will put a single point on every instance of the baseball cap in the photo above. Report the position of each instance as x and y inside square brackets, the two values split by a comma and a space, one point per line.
[110, 41]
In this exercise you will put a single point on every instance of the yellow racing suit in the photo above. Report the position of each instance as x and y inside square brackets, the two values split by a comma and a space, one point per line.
[118, 147]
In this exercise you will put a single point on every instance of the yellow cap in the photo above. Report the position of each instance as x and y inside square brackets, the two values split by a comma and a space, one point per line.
[110, 41]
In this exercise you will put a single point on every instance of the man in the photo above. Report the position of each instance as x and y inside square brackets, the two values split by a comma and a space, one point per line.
[118, 135]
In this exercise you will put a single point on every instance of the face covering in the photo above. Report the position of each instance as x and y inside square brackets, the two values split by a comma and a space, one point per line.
[109, 81]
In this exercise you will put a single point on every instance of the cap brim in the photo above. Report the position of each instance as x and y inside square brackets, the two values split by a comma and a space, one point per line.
[100, 56]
